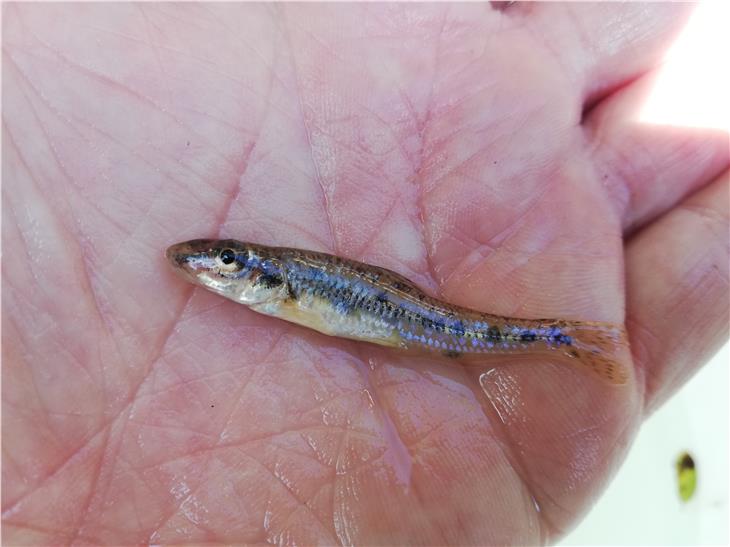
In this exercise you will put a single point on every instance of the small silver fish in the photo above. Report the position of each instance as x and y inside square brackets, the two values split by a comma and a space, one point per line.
[341, 297]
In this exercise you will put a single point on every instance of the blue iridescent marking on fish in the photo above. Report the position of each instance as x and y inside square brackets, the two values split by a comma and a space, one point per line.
[380, 306]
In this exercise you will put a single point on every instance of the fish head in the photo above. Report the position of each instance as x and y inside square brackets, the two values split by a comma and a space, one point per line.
[247, 273]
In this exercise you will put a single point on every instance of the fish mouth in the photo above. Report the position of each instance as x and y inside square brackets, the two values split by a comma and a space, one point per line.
[175, 255]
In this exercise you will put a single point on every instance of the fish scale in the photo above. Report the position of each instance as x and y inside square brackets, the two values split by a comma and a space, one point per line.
[342, 297]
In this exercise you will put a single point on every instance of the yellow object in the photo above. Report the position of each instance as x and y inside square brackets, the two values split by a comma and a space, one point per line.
[686, 476]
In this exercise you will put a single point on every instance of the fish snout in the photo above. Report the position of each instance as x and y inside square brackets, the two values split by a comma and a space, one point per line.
[192, 258]
[177, 254]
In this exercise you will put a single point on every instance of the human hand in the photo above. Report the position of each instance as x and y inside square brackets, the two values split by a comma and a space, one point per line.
[489, 156]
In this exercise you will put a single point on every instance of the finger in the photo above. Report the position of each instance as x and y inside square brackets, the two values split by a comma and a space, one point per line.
[677, 290]
[647, 168]
[605, 45]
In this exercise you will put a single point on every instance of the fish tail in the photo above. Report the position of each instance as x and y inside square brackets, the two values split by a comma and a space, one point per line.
[600, 347]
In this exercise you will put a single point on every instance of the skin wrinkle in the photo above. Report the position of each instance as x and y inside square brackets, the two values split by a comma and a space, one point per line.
[310, 455]
[175, 510]
[182, 386]
[233, 197]
[556, 531]
[665, 379]
[93, 298]
[168, 175]
[152, 45]
[25, 164]
[629, 193]
[622, 194]
[176, 507]
[39, 398]
[12, 507]
[240, 444]
[653, 378]
[481, 249]
[167, 427]
[238, 397]
[359, 525]
[437, 428]
[209, 451]
[356, 148]
[639, 353]
[363, 464]
[235, 34]
[43, 406]
[113, 419]
[630, 423]
[582, 431]
[307, 131]
[455, 169]
[76, 237]
[183, 382]
[707, 215]
[446, 111]
[511, 456]
[421, 191]
[384, 421]
[299, 503]
[592, 96]
[125, 416]
[497, 241]
[549, 46]
[338, 477]
[369, 241]
[223, 218]
[49, 531]
[412, 161]
[247, 441]
[314, 496]
[596, 98]
[624, 163]
[132, 93]
[384, 124]
[71, 180]
[243, 84]
[518, 306]
[86, 504]
[320, 405]
[186, 385]
[629, 190]
[596, 145]
[485, 250]
[312, 236]
[427, 378]
[698, 272]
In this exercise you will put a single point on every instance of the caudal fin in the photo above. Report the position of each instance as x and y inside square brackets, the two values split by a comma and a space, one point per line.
[600, 347]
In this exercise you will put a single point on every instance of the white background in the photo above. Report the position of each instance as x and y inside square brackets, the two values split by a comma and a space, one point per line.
[642, 504]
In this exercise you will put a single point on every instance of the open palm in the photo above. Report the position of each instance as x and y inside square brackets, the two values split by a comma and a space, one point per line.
[487, 155]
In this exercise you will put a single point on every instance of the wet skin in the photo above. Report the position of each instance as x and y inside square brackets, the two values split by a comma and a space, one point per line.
[486, 155]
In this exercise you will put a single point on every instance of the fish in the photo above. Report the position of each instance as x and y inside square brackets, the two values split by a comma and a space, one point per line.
[345, 298]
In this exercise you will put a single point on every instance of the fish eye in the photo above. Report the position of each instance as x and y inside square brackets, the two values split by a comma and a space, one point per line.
[227, 256]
